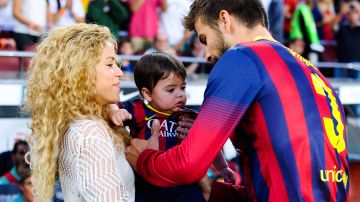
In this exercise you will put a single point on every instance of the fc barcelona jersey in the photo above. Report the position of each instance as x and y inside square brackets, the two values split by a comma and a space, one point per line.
[143, 116]
[282, 115]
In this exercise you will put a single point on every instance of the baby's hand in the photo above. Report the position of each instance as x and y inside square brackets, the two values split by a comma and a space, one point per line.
[118, 117]
[228, 175]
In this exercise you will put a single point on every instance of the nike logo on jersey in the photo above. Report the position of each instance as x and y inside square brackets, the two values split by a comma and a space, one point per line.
[148, 118]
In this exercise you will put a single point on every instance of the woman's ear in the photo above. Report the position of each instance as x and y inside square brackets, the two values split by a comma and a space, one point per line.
[146, 94]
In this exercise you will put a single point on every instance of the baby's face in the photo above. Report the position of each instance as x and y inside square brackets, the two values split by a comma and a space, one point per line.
[169, 94]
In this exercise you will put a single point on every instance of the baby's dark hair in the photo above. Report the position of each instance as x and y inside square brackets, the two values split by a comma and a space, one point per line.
[155, 66]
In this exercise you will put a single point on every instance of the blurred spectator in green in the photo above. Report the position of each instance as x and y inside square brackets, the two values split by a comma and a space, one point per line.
[303, 27]
[109, 13]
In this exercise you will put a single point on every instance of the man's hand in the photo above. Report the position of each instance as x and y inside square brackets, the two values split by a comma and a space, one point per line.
[184, 126]
[137, 146]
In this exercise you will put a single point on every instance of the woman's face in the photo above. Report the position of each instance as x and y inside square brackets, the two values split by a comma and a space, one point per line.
[107, 84]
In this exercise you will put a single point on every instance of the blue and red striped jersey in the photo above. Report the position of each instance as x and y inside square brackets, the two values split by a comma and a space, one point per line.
[140, 125]
[143, 115]
[283, 116]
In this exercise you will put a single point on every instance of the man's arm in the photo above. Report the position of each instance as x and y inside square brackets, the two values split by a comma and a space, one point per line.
[232, 87]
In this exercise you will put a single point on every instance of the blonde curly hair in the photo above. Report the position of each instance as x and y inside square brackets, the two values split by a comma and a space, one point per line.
[61, 89]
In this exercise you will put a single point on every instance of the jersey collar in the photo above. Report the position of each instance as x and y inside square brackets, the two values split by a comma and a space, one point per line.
[157, 111]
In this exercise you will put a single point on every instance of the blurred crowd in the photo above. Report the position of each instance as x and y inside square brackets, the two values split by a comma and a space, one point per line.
[321, 30]
[15, 174]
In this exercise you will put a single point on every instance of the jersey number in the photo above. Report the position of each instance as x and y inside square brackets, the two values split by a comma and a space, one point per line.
[335, 133]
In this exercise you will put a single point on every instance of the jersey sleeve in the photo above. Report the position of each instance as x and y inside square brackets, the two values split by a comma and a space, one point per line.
[233, 85]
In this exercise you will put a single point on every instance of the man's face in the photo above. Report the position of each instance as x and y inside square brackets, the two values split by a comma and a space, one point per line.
[213, 39]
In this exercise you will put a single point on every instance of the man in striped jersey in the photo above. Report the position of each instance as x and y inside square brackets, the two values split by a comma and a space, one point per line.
[277, 108]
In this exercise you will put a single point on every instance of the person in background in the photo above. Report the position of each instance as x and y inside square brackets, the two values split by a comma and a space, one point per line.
[348, 44]
[297, 45]
[17, 172]
[325, 19]
[170, 23]
[26, 192]
[348, 36]
[275, 11]
[5, 162]
[127, 66]
[31, 20]
[73, 77]
[326, 22]
[161, 43]
[26, 189]
[109, 13]
[126, 49]
[303, 27]
[144, 22]
[289, 9]
[280, 112]
[66, 12]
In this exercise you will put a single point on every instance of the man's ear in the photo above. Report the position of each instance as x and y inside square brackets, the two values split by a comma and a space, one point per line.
[146, 94]
[225, 21]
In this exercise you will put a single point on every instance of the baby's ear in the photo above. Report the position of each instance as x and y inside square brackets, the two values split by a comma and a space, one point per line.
[146, 94]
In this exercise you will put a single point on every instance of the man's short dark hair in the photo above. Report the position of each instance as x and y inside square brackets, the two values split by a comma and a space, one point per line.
[248, 12]
[155, 66]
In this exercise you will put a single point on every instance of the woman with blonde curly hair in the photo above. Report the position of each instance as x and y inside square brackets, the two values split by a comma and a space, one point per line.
[73, 77]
